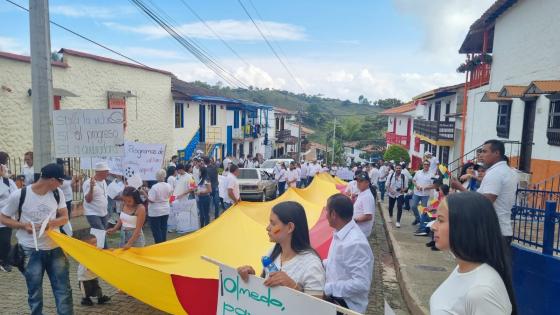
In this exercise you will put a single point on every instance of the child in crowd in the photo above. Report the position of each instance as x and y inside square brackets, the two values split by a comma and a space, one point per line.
[88, 282]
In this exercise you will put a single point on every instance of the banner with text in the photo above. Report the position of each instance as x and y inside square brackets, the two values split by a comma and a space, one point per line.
[238, 297]
[88, 132]
[142, 159]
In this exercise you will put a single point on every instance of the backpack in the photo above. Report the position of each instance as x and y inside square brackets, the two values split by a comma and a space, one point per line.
[24, 193]
[6, 181]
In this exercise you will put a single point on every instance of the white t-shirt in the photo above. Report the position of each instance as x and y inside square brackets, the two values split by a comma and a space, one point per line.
[314, 169]
[298, 170]
[423, 179]
[306, 269]
[352, 188]
[232, 183]
[292, 175]
[98, 205]
[480, 291]
[304, 169]
[35, 209]
[394, 182]
[333, 170]
[374, 176]
[5, 192]
[383, 172]
[365, 204]
[159, 199]
[29, 174]
[222, 185]
[172, 180]
[67, 189]
[501, 180]
[85, 274]
[433, 164]
[183, 183]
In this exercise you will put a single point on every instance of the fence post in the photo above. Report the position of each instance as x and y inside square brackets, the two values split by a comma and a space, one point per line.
[549, 224]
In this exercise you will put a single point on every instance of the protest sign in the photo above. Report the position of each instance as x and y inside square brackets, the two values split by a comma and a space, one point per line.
[140, 159]
[88, 132]
[238, 297]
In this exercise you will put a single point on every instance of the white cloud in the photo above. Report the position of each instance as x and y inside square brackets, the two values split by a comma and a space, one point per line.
[340, 76]
[445, 24]
[228, 30]
[12, 45]
[78, 11]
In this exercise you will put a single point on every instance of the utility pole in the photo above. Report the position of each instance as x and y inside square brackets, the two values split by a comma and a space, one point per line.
[41, 82]
[299, 133]
[333, 139]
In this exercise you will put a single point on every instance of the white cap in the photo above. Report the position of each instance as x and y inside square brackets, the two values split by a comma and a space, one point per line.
[427, 153]
[102, 166]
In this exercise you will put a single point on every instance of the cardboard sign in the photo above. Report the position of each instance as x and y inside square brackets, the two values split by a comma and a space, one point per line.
[140, 159]
[238, 297]
[88, 132]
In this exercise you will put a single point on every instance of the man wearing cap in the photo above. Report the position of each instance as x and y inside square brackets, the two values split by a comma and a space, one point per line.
[364, 207]
[42, 201]
[433, 161]
[95, 197]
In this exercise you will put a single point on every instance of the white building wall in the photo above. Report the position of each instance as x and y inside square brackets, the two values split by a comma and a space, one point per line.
[182, 136]
[402, 125]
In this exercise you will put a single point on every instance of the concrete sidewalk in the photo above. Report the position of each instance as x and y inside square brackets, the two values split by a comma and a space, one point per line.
[419, 269]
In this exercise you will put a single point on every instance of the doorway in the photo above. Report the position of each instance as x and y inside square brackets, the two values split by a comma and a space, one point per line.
[526, 150]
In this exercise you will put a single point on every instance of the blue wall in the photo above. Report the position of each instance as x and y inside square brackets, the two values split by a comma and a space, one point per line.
[536, 281]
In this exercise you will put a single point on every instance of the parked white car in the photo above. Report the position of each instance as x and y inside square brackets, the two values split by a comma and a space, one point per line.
[269, 165]
[256, 184]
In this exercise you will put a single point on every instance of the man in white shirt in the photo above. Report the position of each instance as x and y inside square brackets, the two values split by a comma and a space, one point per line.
[397, 185]
[291, 176]
[498, 185]
[349, 266]
[364, 207]
[227, 162]
[43, 202]
[433, 161]
[374, 175]
[383, 173]
[312, 171]
[298, 171]
[333, 170]
[232, 196]
[27, 169]
[304, 173]
[7, 187]
[423, 185]
[95, 197]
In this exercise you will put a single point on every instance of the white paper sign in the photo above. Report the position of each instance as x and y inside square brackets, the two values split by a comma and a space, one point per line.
[88, 132]
[99, 235]
[252, 297]
[140, 159]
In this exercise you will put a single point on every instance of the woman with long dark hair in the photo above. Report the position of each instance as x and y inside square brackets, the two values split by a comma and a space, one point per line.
[203, 191]
[467, 225]
[299, 264]
[131, 220]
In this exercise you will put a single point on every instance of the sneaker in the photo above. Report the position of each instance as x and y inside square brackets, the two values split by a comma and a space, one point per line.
[390, 220]
[431, 244]
[421, 233]
[87, 302]
[398, 224]
[415, 222]
[5, 267]
[104, 299]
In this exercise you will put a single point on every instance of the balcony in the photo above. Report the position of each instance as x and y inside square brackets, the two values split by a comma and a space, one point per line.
[479, 76]
[435, 130]
[393, 138]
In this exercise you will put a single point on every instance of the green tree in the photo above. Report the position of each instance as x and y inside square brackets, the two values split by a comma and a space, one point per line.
[395, 152]
[388, 102]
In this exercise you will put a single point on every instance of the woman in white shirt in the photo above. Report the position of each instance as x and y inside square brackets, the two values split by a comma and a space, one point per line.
[300, 266]
[158, 207]
[467, 225]
[172, 176]
[282, 177]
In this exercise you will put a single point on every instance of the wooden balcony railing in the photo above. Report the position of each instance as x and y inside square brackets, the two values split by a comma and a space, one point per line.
[393, 138]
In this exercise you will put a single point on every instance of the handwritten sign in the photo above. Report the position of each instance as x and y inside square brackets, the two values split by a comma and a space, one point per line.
[140, 159]
[238, 297]
[88, 132]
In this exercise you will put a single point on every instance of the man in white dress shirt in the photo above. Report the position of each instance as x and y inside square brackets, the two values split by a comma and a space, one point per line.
[349, 266]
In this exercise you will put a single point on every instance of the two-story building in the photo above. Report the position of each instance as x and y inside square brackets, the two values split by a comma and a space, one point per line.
[513, 83]
[400, 124]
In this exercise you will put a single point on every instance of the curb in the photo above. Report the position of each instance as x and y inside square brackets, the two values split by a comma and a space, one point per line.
[411, 299]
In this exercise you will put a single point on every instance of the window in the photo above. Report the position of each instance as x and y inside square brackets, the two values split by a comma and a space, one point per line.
[553, 130]
[235, 119]
[447, 110]
[179, 115]
[437, 111]
[429, 112]
[503, 120]
[443, 155]
[212, 115]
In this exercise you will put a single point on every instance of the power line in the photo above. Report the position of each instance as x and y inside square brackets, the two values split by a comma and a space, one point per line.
[270, 45]
[188, 44]
[214, 32]
[83, 37]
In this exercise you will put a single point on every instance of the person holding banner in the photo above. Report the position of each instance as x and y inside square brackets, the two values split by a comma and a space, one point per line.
[349, 266]
[95, 197]
[43, 207]
[203, 191]
[131, 219]
[158, 207]
[299, 265]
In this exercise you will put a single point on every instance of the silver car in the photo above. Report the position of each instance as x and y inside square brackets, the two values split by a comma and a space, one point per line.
[256, 184]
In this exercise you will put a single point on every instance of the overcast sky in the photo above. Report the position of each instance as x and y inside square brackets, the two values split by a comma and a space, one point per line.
[342, 49]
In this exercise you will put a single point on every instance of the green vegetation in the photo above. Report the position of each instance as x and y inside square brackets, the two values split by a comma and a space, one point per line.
[395, 152]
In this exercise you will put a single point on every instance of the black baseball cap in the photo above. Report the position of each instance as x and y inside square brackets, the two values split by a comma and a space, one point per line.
[362, 176]
[53, 170]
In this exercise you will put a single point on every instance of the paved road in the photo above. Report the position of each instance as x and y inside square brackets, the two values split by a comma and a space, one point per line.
[14, 292]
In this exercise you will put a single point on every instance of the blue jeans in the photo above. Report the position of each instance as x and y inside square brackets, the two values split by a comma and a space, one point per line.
[424, 220]
[126, 235]
[281, 188]
[407, 198]
[216, 201]
[303, 182]
[381, 186]
[55, 263]
[99, 223]
[203, 204]
[159, 228]
[414, 204]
